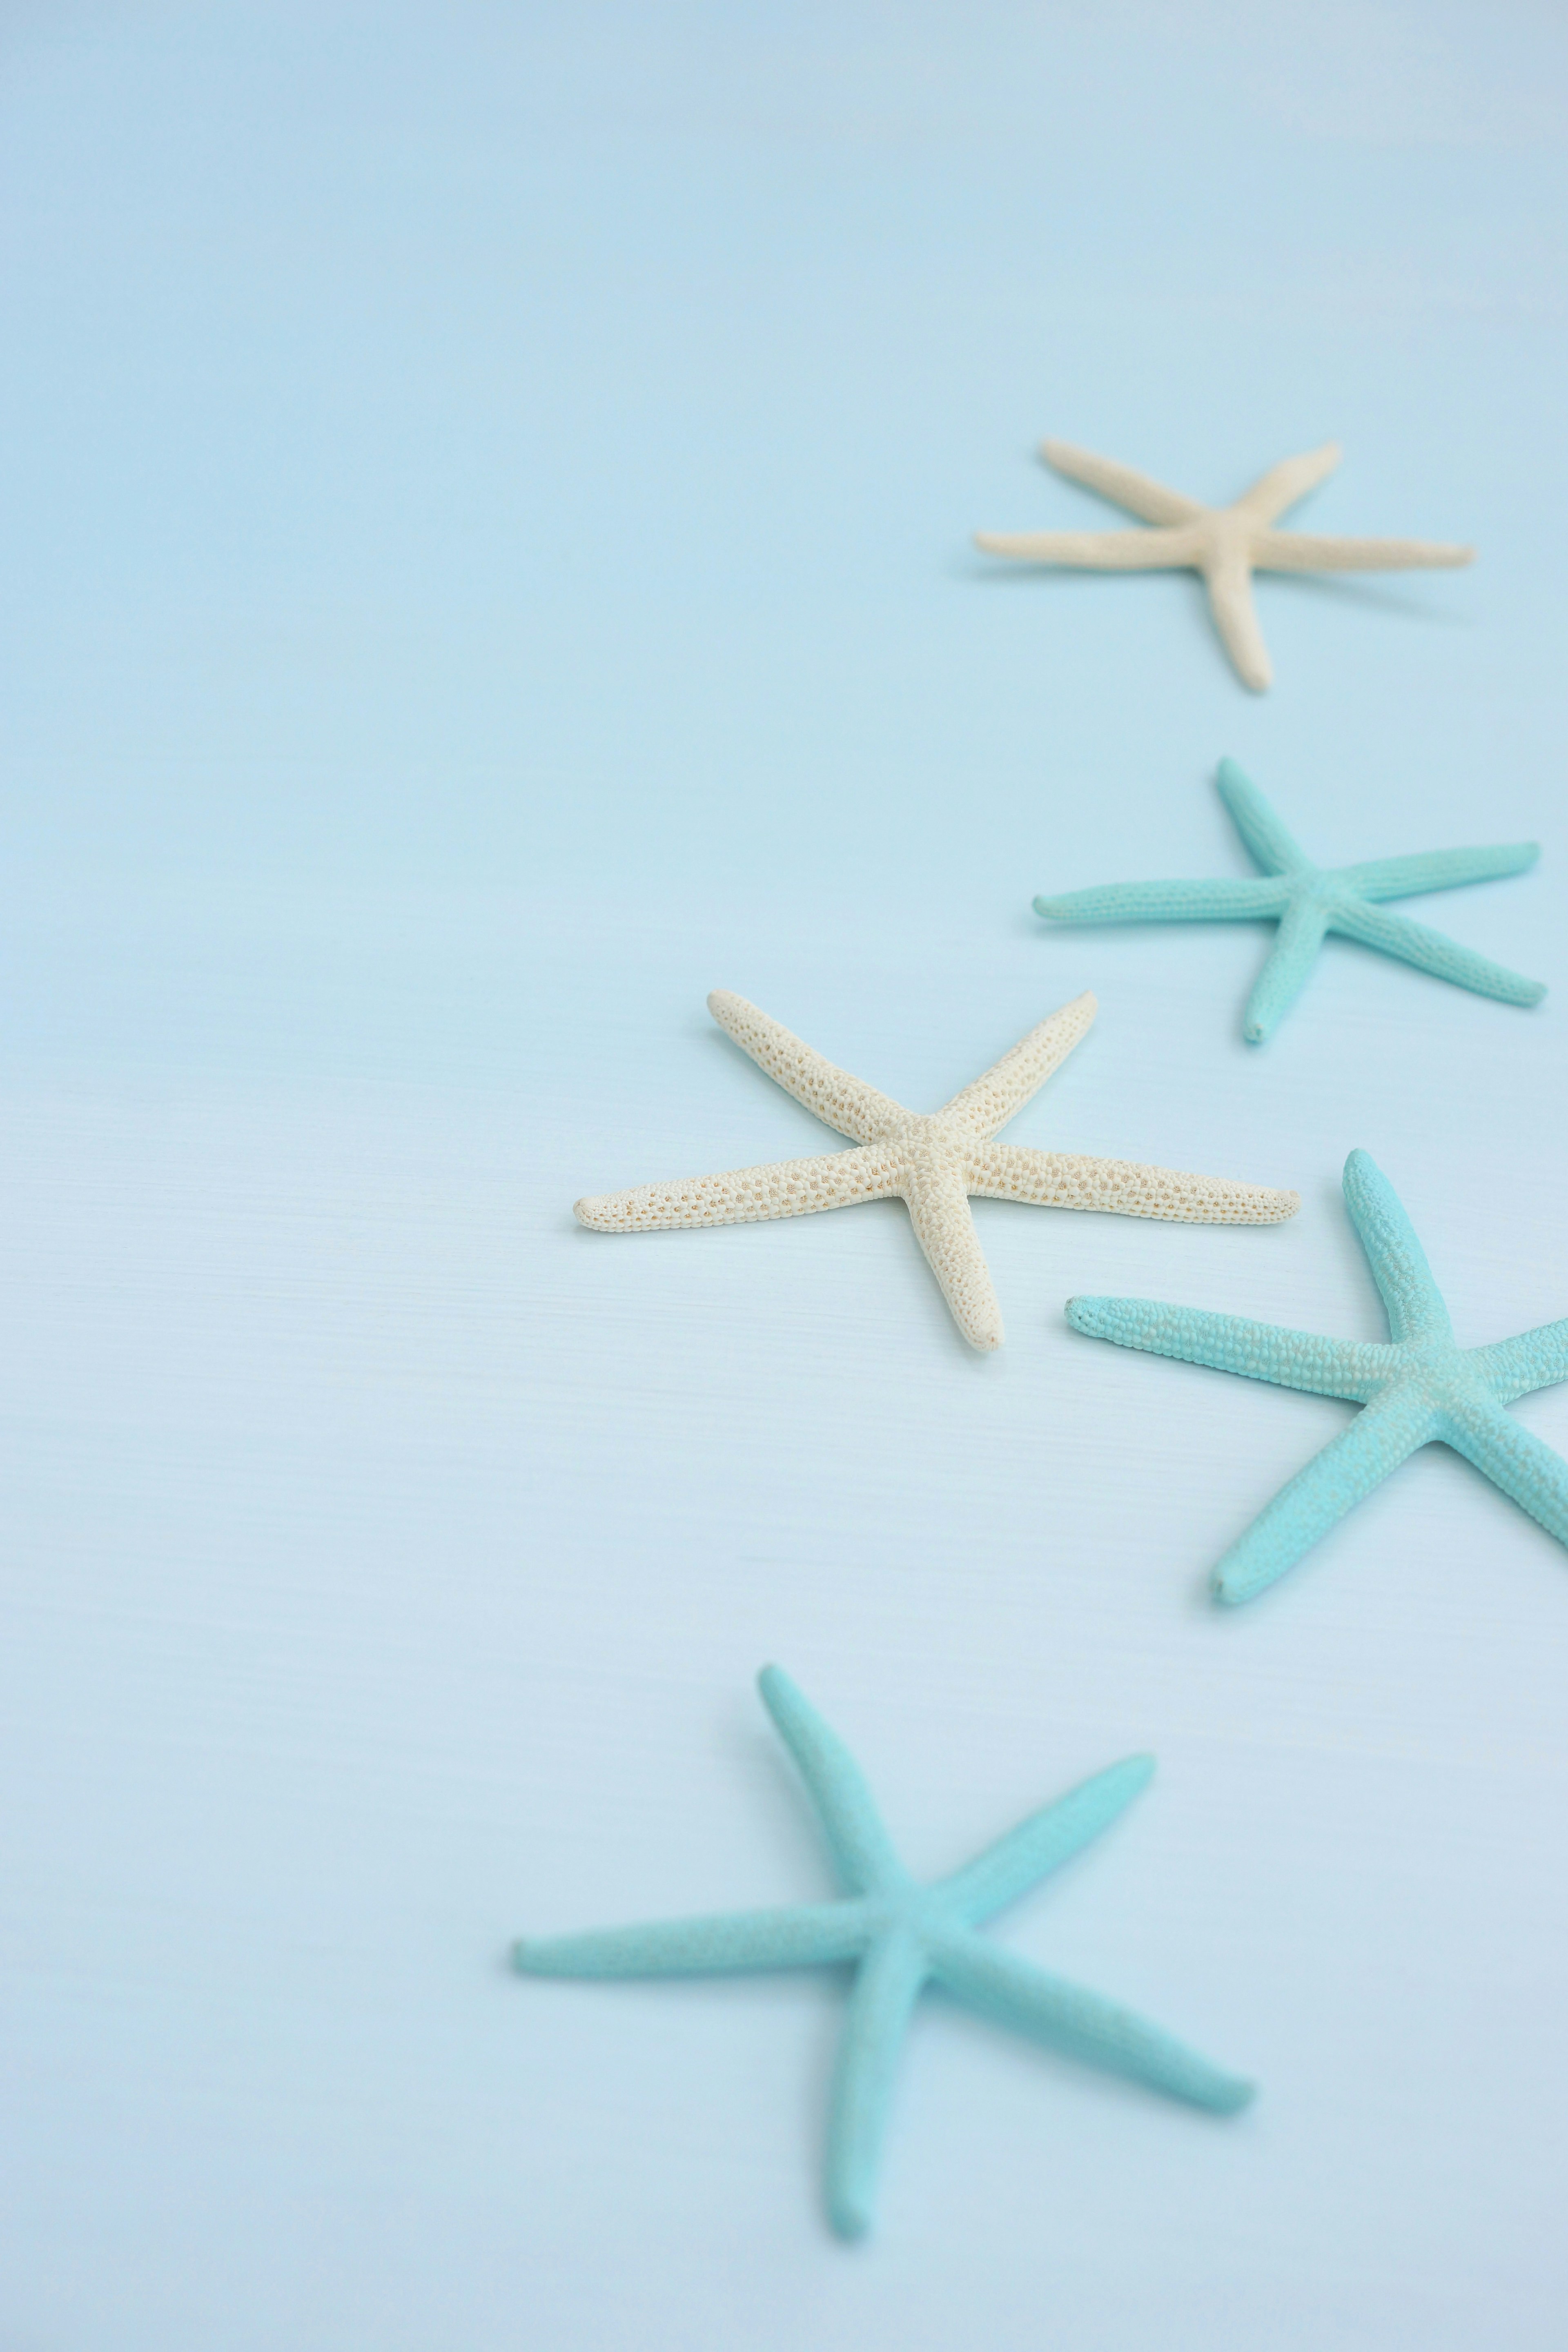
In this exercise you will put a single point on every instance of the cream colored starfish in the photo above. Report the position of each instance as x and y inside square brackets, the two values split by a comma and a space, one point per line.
[933, 1162]
[1226, 544]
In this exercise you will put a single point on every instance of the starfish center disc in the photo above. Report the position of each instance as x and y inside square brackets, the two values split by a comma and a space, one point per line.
[1444, 1370]
[911, 1913]
[930, 1149]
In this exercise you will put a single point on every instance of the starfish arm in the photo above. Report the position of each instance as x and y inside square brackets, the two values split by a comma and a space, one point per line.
[1084, 2025]
[838, 1099]
[945, 1231]
[747, 1196]
[1123, 484]
[1043, 1842]
[887, 1985]
[1229, 578]
[1094, 551]
[1269, 840]
[1285, 973]
[1428, 951]
[807, 1935]
[1122, 1188]
[1350, 1369]
[1301, 550]
[863, 1854]
[1284, 484]
[1221, 901]
[1437, 869]
[1398, 1262]
[1010, 1083]
[1515, 1460]
[1383, 1435]
[1530, 1361]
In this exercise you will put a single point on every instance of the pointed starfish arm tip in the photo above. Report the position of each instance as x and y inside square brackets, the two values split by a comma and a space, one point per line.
[863, 1854]
[1281, 487]
[1398, 1265]
[1141, 550]
[1121, 1188]
[747, 1196]
[1043, 1842]
[1083, 2024]
[836, 1097]
[1227, 576]
[1380, 879]
[881, 2003]
[1140, 494]
[1285, 975]
[798, 1936]
[1223, 899]
[1347, 1368]
[1430, 950]
[944, 1228]
[1268, 838]
[1301, 550]
[1383, 1434]
[986, 1105]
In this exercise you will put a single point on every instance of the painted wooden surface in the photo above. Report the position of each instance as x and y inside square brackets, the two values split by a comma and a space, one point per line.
[489, 498]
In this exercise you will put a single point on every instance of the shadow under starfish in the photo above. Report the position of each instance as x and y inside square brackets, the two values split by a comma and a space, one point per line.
[900, 1936]
[1309, 901]
[1420, 1388]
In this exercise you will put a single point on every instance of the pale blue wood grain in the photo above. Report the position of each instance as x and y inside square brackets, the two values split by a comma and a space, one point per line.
[487, 497]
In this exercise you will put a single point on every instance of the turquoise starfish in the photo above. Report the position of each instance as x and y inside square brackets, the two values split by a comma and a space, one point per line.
[900, 1936]
[1419, 1390]
[1308, 901]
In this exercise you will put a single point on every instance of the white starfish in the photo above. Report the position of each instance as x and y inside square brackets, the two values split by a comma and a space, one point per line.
[932, 1162]
[1226, 544]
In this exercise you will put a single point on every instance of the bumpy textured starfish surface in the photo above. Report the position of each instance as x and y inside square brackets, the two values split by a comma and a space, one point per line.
[933, 1162]
[1419, 1390]
[899, 1937]
[1308, 901]
[1226, 544]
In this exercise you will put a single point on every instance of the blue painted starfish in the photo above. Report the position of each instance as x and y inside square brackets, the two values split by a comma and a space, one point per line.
[1419, 1390]
[1308, 901]
[900, 1936]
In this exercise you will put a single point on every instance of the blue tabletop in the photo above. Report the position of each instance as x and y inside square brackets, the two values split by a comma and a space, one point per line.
[487, 498]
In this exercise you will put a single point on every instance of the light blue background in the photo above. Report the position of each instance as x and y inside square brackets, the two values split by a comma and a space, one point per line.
[486, 500]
